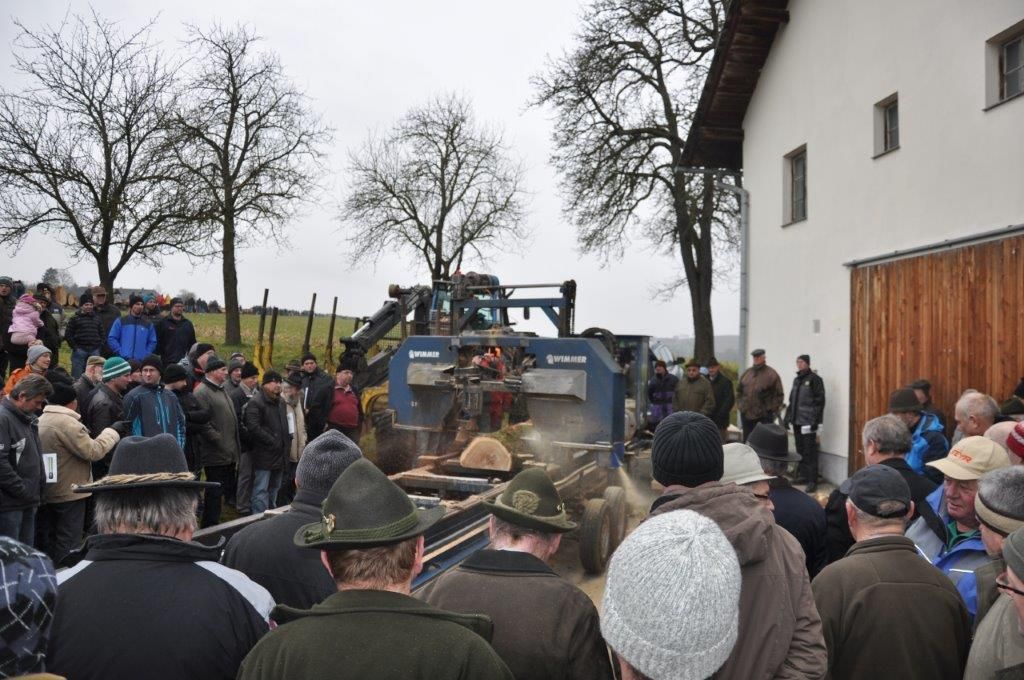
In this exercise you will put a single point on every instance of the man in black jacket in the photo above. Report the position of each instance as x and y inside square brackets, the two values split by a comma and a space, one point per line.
[197, 416]
[266, 552]
[725, 397]
[7, 300]
[266, 426]
[107, 313]
[145, 601]
[804, 414]
[317, 394]
[106, 405]
[174, 334]
[50, 332]
[87, 383]
[794, 511]
[84, 334]
[886, 442]
[21, 463]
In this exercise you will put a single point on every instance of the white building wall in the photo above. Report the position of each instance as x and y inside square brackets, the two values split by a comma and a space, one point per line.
[959, 169]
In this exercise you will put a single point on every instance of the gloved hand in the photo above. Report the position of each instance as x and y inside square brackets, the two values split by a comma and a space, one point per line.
[122, 427]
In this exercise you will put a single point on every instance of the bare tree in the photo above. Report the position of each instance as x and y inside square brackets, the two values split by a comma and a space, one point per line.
[58, 277]
[437, 186]
[251, 142]
[84, 148]
[624, 98]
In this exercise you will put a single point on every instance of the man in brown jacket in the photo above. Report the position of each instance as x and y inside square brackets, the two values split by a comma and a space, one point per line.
[544, 627]
[759, 393]
[779, 628]
[61, 520]
[694, 392]
[885, 611]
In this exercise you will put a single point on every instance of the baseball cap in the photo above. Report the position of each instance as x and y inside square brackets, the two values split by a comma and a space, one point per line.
[876, 484]
[970, 458]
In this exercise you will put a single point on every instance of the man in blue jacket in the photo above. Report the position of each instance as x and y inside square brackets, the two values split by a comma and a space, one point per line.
[928, 442]
[151, 408]
[947, 533]
[133, 336]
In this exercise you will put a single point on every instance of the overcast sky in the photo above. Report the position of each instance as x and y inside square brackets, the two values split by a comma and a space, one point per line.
[364, 65]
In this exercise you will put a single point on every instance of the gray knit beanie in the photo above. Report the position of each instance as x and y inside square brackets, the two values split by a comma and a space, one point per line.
[323, 460]
[671, 602]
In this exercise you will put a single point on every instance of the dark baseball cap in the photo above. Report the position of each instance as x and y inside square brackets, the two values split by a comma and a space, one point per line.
[871, 486]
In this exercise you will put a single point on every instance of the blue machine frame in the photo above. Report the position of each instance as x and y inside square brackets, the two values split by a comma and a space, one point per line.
[575, 391]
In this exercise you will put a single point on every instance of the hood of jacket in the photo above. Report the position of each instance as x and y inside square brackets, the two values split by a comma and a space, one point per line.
[55, 410]
[744, 520]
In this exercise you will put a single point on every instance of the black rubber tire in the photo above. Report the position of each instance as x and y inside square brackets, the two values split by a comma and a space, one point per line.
[595, 536]
[606, 337]
[615, 497]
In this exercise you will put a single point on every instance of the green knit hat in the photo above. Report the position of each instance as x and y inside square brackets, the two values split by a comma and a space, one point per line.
[115, 367]
[531, 501]
[364, 508]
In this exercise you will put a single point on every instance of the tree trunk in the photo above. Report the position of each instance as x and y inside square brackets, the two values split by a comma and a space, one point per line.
[232, 322]
[106, 278]
[700, 289]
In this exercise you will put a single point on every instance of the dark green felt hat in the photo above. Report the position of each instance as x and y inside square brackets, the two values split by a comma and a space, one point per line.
[363, 509]
[531, 501]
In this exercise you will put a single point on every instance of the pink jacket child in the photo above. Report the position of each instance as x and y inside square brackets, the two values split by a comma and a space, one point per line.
[25, 321]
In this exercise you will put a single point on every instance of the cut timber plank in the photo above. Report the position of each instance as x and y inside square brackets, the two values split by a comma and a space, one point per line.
[486, 453]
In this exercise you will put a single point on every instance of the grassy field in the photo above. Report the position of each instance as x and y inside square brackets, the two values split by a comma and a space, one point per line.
[287, 339]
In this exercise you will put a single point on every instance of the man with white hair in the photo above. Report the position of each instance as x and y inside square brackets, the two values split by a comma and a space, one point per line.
[975, 412]
[147, 602]
[680, 620]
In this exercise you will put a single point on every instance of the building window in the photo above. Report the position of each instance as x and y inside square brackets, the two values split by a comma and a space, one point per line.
[887, 125]
[795, 185]
[1004, 65]
[1011, 68]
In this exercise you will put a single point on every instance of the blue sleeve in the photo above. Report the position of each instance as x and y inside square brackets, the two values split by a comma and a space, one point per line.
[131, 412]
[180, 430]
[114, 336]
[151, 339]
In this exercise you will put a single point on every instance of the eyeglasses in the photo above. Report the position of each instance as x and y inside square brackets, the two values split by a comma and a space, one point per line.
[1003, 585]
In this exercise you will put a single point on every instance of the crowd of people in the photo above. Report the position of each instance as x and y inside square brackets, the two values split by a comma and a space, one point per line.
[914, 568]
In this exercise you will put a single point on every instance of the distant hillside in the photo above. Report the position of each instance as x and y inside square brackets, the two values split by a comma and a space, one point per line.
[727, 347]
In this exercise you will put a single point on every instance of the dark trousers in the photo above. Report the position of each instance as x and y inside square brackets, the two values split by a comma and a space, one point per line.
[807, 447]
[243, 490]
[350, 432]
[225, 476]
[287, 491]
[5, 362]
[749, 425]
[19, 525]
[59, 528]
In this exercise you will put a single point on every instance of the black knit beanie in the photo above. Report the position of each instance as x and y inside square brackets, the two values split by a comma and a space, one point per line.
[687, 450]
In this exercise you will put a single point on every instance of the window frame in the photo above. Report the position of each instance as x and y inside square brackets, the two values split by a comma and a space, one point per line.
[885, 141]
[1018, 68]
[791, 161]
[996, 73]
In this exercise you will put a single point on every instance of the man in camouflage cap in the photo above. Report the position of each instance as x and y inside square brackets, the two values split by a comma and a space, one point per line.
[544, 627]
[370, 539]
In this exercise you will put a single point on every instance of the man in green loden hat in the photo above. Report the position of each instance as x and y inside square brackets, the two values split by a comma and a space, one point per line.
[370, 538]
[544, 627]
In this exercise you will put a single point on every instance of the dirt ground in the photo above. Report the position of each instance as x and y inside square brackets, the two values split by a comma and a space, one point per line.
[640, 496]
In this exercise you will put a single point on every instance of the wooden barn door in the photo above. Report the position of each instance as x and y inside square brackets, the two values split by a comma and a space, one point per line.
[955, 317]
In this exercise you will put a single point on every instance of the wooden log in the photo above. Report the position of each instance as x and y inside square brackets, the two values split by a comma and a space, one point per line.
[486, 453]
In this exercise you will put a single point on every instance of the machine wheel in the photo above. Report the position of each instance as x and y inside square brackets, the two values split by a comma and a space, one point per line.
[606, 337]
[615, 499]
[595, 536]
